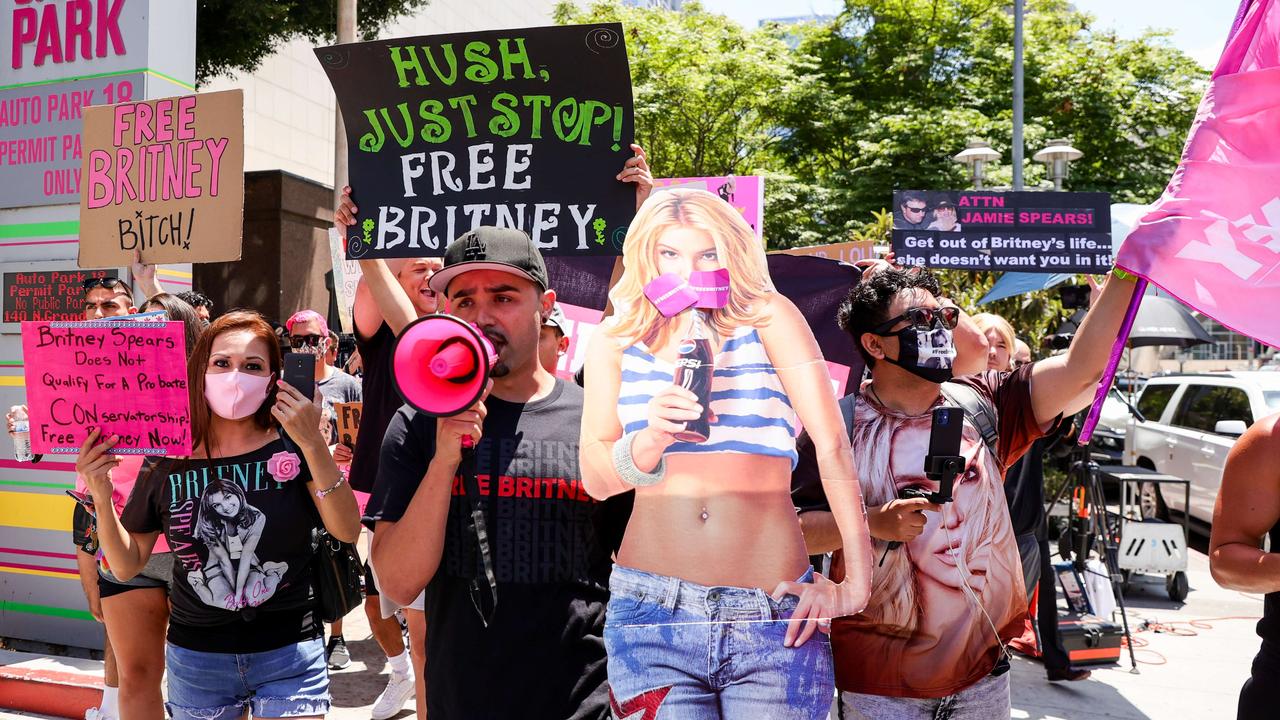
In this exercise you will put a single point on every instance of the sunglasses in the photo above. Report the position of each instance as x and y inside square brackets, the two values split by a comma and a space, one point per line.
[922, 318]
[915, 209]
[105, 281]
[307, 340]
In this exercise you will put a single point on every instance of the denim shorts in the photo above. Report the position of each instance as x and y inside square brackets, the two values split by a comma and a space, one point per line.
[681, 650]
[292, 681]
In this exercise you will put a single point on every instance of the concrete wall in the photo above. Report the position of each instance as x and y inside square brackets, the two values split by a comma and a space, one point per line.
[286, 251]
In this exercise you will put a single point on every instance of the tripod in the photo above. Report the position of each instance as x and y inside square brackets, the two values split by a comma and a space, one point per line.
[1093, 521]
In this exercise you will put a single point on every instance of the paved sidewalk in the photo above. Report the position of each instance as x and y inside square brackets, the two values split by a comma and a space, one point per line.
[1180, 675]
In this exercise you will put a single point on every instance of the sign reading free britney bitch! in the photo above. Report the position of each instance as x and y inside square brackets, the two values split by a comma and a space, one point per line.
[522, 128]
[126, 378]
[164, 177]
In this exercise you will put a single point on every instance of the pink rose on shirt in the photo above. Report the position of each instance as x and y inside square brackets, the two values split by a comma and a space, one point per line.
[284, 466]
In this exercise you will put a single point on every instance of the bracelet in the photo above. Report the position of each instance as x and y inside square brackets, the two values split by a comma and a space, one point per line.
[626, 468]
[1122, 274]
[342, 480]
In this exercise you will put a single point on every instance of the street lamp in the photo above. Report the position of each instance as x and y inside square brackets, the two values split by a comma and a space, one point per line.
[975, 156]
[1058, 156]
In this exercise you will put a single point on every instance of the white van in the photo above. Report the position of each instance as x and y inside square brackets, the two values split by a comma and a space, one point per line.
[1191, 422]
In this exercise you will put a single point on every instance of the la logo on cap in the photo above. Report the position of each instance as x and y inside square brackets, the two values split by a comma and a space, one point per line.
[475, 249]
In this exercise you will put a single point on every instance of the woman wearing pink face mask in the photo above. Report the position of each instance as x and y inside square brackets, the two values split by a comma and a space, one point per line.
[239, 515]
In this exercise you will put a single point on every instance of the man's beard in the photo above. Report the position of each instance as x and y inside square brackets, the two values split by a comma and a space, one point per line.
[500, 367]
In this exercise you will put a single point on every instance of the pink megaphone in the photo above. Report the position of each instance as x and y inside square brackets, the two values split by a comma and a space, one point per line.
[440, 364]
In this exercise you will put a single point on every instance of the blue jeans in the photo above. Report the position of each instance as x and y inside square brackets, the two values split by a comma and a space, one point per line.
[292, 681]
[987, 699]
[682, 651]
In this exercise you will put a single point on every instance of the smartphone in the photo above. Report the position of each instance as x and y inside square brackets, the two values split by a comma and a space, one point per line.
[944, 459]
[85, 499]
[300, 372]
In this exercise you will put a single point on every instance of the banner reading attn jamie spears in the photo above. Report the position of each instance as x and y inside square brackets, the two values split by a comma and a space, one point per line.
[515, 128]
[1038, 232]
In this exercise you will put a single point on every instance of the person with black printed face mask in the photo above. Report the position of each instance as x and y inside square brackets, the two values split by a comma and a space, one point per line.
[241, 516]
[309, 333]
[944, 603]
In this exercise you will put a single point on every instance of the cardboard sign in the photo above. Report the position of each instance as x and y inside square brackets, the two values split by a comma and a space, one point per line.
[1037, 232]
[165, 177]
[124, 377]
[346, 275]
[849, 252]
[348, 417]
[745, 193]
[45, 294]
[522, 128]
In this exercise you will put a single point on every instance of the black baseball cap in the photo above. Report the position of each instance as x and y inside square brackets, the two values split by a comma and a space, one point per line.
[491, 248]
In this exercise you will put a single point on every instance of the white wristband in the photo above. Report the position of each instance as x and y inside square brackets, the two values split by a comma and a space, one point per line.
[626, 468]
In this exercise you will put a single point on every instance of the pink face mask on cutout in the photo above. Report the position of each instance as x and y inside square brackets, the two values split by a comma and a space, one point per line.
[235, 395]
[672, 294]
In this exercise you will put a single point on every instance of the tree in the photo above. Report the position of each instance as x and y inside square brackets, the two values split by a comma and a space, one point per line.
[238, 34]
[702, 86]
[890, 90]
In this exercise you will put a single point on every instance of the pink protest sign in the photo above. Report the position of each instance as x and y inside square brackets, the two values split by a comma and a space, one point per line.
[126, 378]
[1212, 240]
[744, 192]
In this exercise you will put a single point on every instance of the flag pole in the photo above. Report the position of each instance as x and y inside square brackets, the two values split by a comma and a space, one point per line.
[1109, 374]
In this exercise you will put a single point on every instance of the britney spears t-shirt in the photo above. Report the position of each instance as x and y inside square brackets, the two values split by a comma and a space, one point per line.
[241, 531]
[938, 602]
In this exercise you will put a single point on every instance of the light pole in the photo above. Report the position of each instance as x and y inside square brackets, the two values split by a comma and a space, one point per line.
[1058, 156]
[975, 156]
[1017, 95]
[346, 34]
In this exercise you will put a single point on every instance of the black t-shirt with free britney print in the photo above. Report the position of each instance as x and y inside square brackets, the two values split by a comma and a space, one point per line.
[542, 655]
[240, 529]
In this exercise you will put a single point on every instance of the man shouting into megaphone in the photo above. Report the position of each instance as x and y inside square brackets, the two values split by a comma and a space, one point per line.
[520, 593]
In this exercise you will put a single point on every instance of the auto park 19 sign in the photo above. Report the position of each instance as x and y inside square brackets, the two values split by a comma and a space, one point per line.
[59, 57]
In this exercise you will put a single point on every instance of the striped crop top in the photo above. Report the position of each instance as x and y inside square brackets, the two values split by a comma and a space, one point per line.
[753, 414]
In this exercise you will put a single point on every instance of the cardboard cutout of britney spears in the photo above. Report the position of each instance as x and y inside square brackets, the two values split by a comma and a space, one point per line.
[713, 551]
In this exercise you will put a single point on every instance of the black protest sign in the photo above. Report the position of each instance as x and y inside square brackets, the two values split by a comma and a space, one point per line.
[45, 294]
[515, 128]
[1035, 232]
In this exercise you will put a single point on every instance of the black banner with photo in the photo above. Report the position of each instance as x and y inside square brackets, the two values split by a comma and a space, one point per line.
[518, 128]
[1034, 232]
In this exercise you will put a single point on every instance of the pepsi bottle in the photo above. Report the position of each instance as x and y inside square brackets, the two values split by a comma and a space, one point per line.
[695, 367]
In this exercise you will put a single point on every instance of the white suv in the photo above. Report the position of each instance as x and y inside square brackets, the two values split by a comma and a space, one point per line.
[1191, 422]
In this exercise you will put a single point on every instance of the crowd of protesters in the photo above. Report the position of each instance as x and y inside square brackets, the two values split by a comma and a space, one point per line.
[661, 587]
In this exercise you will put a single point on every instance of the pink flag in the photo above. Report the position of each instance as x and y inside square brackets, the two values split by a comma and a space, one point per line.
[1213, 238]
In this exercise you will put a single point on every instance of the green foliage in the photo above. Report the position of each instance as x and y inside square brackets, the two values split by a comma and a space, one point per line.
[703, 86]
[236, 35]
[838, 115]
[891, 90]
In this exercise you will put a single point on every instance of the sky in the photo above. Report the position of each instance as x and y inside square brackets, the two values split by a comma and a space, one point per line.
[1200, 26]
